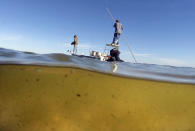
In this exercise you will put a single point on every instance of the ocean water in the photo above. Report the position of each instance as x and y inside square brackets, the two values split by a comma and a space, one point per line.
[124, 69]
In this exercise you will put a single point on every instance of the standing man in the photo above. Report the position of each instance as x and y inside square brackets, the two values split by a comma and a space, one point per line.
[118, 30]
[75, 44]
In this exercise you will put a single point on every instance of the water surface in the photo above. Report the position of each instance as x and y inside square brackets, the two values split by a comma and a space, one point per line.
[126, 69]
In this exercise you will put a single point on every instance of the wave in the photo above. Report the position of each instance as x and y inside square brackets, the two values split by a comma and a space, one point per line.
[125, 69]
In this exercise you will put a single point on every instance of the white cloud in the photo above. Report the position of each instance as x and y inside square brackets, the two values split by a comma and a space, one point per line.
[136, 54]
[90, 46]
[10, 37]
[167, 61]
[143, 55]
[173, 62]
[154, 59]
[85, 46]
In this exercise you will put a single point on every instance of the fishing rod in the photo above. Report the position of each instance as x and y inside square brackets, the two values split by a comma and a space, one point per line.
[127, 42]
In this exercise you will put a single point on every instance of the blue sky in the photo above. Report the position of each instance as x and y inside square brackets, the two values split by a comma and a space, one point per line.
[158, 31]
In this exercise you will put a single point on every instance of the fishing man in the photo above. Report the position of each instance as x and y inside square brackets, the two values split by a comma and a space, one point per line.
[118, 30]
[114, 55]
[75, 44]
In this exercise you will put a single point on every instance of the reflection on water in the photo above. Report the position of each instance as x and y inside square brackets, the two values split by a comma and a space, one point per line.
[146, 71]
[114, 66]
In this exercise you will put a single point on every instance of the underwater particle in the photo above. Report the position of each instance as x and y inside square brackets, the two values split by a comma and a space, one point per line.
[78, 95]
[113, 115]
[37, 79]
[18, 124]
[113, 96]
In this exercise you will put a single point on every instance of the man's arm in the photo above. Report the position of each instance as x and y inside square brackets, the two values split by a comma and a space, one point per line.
[114, 25]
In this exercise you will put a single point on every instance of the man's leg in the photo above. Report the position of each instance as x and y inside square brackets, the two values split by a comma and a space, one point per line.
[117, 56]
[115, 38]
[74, 49]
